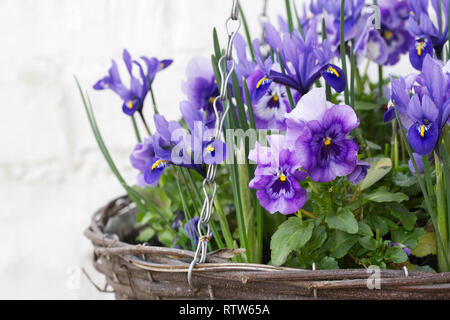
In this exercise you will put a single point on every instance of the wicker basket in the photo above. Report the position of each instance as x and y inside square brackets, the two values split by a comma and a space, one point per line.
[150, 272]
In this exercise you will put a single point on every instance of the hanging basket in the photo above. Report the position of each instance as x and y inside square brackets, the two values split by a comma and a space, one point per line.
[150, 272]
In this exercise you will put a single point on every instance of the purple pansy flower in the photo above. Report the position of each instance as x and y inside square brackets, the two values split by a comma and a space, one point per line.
[318, 132]
[332, 14]
[393, 17]
[201, 89]
[276, 177]
[133, 96]
[359, 173]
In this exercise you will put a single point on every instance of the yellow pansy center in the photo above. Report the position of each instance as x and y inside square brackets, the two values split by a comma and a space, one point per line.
[334, 71]
[159, 164]
[211, 100]
[388, 34]
[275, 97]
[327, 142]
[283, 178]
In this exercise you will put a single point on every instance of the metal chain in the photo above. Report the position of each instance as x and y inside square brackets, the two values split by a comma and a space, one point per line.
[232, 24]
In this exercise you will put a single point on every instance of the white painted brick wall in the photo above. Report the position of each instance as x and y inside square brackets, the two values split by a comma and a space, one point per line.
[52, 176]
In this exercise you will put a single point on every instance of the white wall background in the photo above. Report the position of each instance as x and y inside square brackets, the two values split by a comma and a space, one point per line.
[52, 176]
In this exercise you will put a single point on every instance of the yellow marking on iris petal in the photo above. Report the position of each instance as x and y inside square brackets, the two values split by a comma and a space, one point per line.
[210, 149]
[422, 131]
[333, 70]
[388, 34]
[130, 104]
[327, 142]
[211, 100]
[275, 97]
[158, 163]
[419, 48]
[282, 178]
[260, 82]
[162, 65]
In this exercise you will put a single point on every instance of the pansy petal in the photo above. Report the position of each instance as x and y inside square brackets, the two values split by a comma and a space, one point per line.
[343, 114]
[311, 106]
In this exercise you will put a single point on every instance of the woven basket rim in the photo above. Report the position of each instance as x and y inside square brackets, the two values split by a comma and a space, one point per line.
[216, 266]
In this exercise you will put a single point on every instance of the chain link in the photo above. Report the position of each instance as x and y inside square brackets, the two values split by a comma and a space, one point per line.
[232, 24]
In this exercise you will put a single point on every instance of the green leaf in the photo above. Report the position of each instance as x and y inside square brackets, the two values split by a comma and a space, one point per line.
[364, 229]
[166, 237]
[327, 263]
[343, 220]
[368, 243]
[339, 243]
[365, 105]
[157, 196]
[376, 222]
[396, 255]
[383, 195]
[408, 238]
[145, 235]
[415, 267]
[291, 234]
[426, 245]
[318, 237]
[379, 167]
[407, 218]
[403, 179]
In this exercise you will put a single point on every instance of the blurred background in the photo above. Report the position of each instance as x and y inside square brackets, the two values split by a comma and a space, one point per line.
[52, 175]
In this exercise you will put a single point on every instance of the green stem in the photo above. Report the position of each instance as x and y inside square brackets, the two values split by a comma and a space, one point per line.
[343, 54]
[152, 94]
[223, 223]
[136, 130]
[145, 123]
[427, 174]
[352, 75]
[448, 53]
[324, 37]
[396, 158]
[247, 32]
[300, 27]
[441, 215]
[289, 15]
[187, 216]
[380, 81]
[444, 156]
[427, 201]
